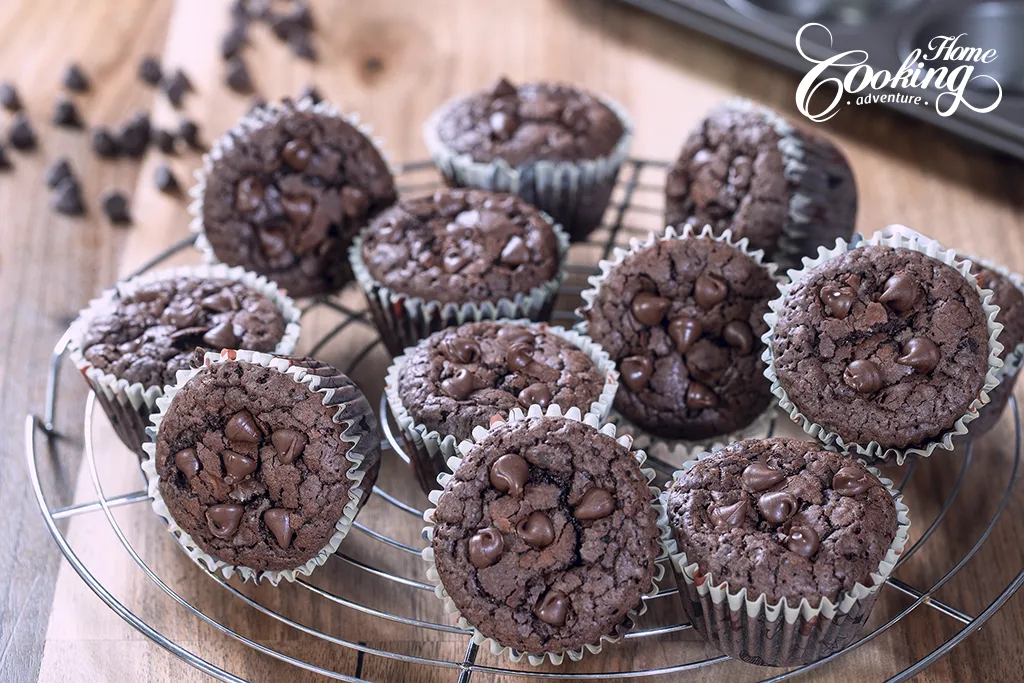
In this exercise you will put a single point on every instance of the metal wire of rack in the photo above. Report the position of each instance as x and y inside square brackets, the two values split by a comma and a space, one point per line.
[634, 211]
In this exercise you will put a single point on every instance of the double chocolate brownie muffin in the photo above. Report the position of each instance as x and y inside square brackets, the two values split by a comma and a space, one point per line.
[490, 250]
[683, 318]
[747, 169]
[545, 539]
[784, 519]
[459, 378]
[510, 138]
[285, 194]
[257, 462]
[882, 344]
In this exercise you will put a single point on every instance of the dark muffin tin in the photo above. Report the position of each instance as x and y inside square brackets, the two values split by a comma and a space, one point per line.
[888, 30]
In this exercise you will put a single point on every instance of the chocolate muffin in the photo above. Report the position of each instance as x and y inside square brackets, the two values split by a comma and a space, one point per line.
[882, 345]
[284, 193]
[459, 378]
[557, 146]
[457, 255]
[545, 538]
[264, 461]
[683, 315]
[749, 170]
[786, 520]
[133, 340]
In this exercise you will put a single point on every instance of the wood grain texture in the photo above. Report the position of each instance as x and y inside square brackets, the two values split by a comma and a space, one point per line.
[394, 61]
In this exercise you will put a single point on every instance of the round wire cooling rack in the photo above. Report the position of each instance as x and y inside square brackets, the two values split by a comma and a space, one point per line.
[635, 210]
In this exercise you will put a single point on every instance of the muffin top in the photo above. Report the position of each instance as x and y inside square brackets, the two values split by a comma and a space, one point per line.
[882, 344]
[252, 464]
[683, 318]
[461, 246]
[546, 537]
[528, 123]
[286, 197]
[1010, 300]
[458, 378]
[147, 334]
[782, 517]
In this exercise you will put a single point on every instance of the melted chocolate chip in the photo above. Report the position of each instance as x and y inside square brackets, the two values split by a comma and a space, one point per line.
[519, 356]
[708, 291]
[537, 530]
[242, 427]
[699, 397]
[760, 476]
[485, 547]
[595, 504]
[728, 516]
[538, 393]
[649, 308]
[280, 524]
[296, 154]
[684, 332]
[289, 444]
[836, 300]
[803, 540]
[515, 252]
[851, 481]
[863, 376]
[901, 292]
[187, 462]
[921, 354]
[738, 335]
[224, 519]
[777, 506]
[460, 386]
[237, 466]
[515, 335]
[502, 88]
[553, 608]
[636, 370]
[221, 302]
[509, 474]
[463, 350]
[249, 194]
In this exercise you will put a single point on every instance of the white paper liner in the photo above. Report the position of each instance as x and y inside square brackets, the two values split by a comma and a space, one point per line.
[254, 120]
[129, 404]
[549, 185]
[872, 450]
[741, 604]
[431, 445]
[556, 658]
[678, 449]
[403, 320]
[361, 466]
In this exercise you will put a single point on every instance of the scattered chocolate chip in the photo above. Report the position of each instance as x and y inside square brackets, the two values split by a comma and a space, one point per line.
[296, 154]
[9, 99]
[21, 135]
[803, 540]
[237, 76]
[280, 524]
[515, 253]
[115, 206]
[57, 173]
[537, 530]
[301, 46]
[188, 131]
[684, 332]
[164, 140]
[863, 376]
[519, 356]
[165, 181]
[5, 161]
[485, 547]
[851, 481]
[901, 292]
[459, 386]
[74, 79]
[221, 336]
[233, 41]
[67, 198]
[921, 354]
[636, 370]
[708, 291]
[699, 397]
[187, 462]
[502, 88]
[311, 93]
[777, 506]
[535, 394]
[836, 300]
[133, 136]
[553, 608]
[302, 16]
[104, 144]
[463, 350]
[65, 114]
[649, 308]
[760, 476]
[175, 86]
[738, 335]
[509, 474]
[257, 102]
[595, 504]
[237, 466]
[242, 427]
[149, 70]
[289, 444]
[224, 519]
[728, 516]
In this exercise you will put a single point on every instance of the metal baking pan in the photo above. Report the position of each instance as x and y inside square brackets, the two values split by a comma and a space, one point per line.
[888, 30]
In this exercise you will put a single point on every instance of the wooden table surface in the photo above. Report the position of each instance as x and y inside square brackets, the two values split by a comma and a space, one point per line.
[393, 61]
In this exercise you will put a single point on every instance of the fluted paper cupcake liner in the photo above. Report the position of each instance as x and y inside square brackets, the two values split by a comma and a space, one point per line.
[575, 192]
[755, 630]
[403, 320]
[361, 472]
[254, 120]
[129, 405]
[429, 450]
[496, 648]
[874, 450]
[678, 450]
